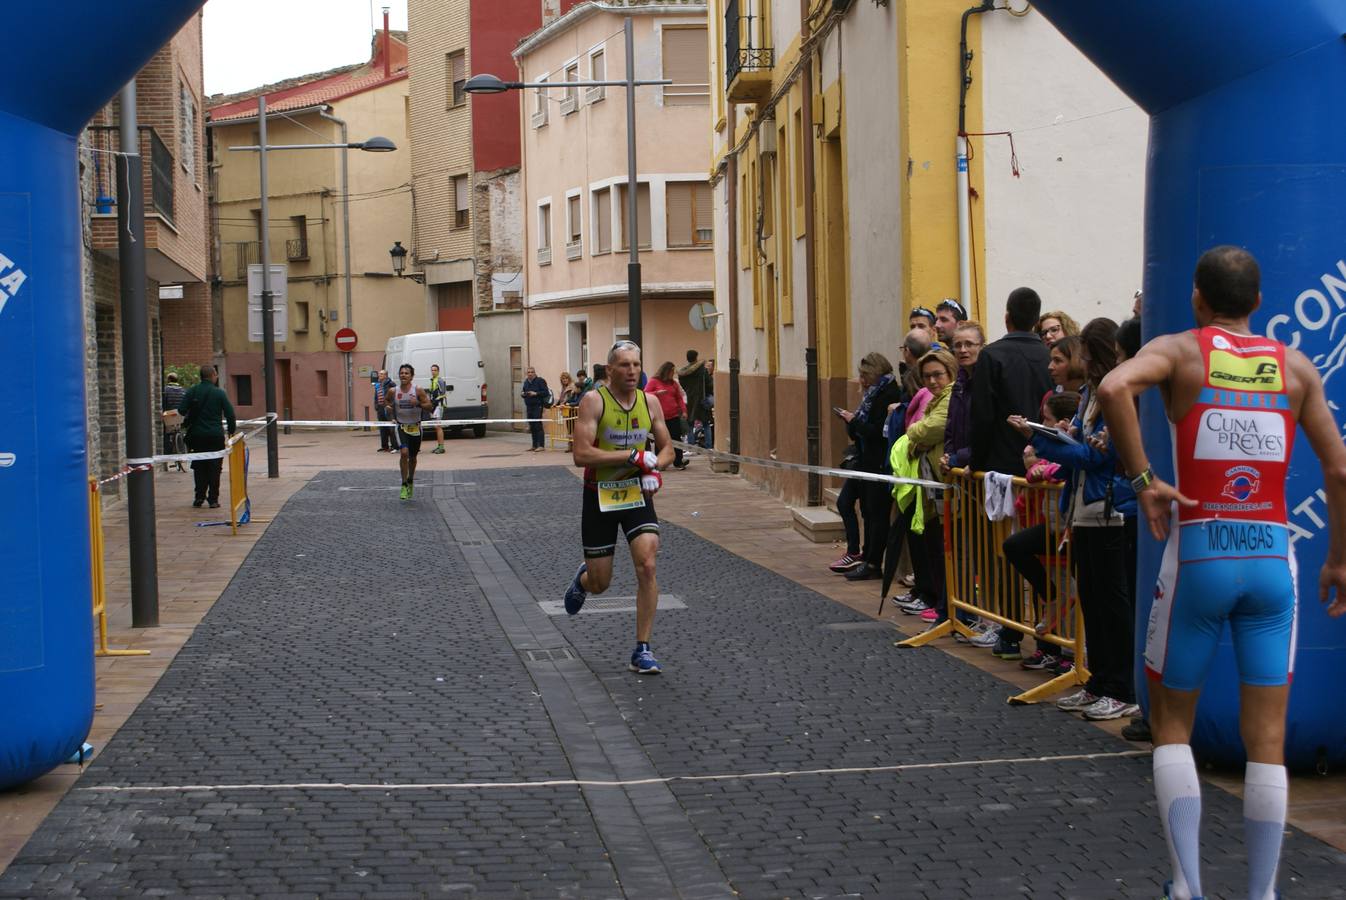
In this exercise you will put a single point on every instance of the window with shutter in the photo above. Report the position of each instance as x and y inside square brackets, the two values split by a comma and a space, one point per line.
[598, 71]
[642, 215]
[703, 226]
[455, 66]
[680, 203]
[570, 101]
[602, 221]
[462, 196]
[689, 214]
[540, 104]
[544, 234]
[573, 210]
[687, 65]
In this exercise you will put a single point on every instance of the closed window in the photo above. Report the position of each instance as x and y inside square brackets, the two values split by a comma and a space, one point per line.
[642, 215]
[544, 227]
[301, 317]
[462, 195]
[598, 71]
[540, 104]
[322, 382]
[573, 217]
[570, 101]
[455, 73]
[601, 221]
[689, 214]
[687, 65]
[187, 131]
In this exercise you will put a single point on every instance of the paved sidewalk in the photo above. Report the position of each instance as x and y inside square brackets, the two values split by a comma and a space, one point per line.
[383, 677]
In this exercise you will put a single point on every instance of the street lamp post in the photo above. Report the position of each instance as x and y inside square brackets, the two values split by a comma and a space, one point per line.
[373, 145]
[491, 84]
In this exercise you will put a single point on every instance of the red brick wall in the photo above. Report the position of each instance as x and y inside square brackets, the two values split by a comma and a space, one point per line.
[187, 327]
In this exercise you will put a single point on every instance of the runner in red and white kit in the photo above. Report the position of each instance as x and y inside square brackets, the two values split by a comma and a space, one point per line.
[1234, 399]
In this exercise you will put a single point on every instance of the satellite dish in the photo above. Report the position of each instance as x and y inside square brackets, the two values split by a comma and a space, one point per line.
[702, 316]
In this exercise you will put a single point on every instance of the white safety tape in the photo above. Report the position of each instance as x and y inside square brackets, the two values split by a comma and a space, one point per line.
[424, 423]
[821, 470]
[898, 768]
[149, 462]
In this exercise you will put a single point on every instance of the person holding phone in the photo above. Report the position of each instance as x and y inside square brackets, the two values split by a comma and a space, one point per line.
[865, 428]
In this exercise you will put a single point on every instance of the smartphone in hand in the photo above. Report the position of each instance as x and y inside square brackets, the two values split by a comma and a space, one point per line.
[839, 411]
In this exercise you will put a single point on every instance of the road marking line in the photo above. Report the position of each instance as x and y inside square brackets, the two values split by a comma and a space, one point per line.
[635, 782]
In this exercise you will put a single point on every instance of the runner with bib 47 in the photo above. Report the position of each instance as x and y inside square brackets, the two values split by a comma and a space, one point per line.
[613, 432]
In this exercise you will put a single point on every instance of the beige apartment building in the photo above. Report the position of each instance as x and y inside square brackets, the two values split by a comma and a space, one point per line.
[575, 185]
[335, 245]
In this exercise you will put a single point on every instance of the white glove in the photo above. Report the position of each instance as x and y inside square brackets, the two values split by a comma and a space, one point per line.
[644, 460]
[651, 483]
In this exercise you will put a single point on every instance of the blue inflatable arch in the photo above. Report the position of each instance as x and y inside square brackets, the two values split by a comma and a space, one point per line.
[1247, 147]
[63, 64]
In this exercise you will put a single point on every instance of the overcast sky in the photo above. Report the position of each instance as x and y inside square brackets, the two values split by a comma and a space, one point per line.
[249, 43]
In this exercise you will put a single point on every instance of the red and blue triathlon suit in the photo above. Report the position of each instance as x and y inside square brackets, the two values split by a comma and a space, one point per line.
[1229, 558]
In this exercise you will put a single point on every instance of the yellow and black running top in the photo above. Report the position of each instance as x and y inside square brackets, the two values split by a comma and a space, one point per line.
[620, 428]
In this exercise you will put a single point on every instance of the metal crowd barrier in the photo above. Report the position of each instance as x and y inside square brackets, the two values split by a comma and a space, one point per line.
[559, 426]
[980, 581]
[100, 576]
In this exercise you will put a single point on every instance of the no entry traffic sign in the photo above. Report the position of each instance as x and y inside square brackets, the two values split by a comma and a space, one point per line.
[346, 340]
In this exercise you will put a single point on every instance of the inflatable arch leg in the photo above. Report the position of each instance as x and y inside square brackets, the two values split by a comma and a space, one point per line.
[46, 624]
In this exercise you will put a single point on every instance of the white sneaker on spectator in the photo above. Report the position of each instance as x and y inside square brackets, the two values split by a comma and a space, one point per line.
[1077, 701]
[914, 607]
[988, 636]
[1105, 708]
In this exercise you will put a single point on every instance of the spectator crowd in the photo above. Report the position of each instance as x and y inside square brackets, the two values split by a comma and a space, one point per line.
[1020, 407]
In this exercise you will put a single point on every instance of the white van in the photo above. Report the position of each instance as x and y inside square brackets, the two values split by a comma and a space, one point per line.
[460, 369]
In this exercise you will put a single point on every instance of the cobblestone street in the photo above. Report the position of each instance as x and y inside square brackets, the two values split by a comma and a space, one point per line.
[381, 703]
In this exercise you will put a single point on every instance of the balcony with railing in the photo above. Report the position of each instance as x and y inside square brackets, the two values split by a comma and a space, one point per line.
[176, 251]
[747, 54]
[296, 249]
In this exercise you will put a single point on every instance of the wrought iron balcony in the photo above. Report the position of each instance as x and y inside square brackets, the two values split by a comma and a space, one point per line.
[296, 249]
[748, 61]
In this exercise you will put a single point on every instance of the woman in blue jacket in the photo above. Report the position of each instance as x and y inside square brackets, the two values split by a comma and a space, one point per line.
[1099, 507]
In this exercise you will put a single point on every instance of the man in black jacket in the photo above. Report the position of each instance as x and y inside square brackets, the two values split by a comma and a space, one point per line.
[1010, 379]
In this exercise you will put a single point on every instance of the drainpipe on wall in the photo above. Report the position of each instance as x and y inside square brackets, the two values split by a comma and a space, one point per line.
[812, 427]
[961, 182]
[731, 233]
[346, 250]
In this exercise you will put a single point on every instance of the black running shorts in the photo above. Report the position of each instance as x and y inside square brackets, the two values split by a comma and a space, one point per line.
[598, 530]
[410, 442]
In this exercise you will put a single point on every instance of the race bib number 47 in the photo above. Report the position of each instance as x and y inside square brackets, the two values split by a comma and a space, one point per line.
[614, 496]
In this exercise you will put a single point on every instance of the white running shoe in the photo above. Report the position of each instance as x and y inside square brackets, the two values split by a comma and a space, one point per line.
[1077, 701]
[1105, 708]
[987, 637]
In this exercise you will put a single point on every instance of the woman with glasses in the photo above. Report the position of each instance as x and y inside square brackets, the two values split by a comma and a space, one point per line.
[925, 442]
[1054, 325]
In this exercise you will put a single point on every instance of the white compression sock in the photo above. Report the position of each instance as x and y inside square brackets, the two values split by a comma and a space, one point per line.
[1264, 799]
[1178, 793]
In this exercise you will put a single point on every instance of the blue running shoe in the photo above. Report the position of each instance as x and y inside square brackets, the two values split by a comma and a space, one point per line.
[1168, 892]
[643, 662]
[575, 595]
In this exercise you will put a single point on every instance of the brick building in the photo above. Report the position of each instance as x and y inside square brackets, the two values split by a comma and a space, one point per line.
[177, 238]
